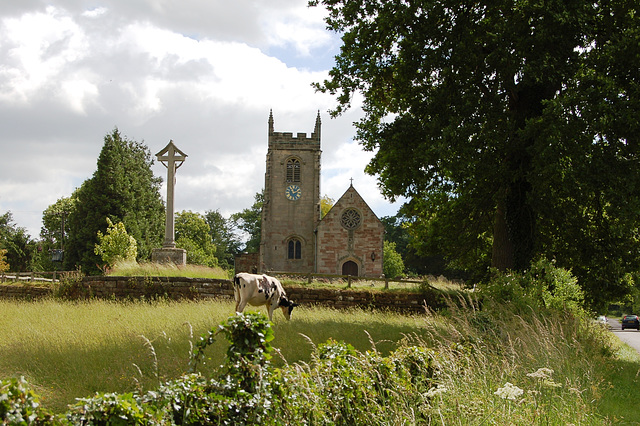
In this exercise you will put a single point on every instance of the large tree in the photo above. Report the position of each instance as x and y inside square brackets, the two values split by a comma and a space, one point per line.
[17, 242]
[249, 222]
[510, 125]
[193, 235]
[224, 238]
[122, 189]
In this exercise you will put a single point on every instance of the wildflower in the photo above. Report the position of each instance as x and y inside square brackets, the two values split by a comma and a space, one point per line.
[544, 376]
[509, 391]
[435, 391]
[541, 373]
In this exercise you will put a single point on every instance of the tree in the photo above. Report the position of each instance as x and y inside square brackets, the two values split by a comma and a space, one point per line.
[326, 203]
[192, 234]
[54, 221]
[55, 227]
[4, 266]
[123, 189]
[116, 245]
[509, 126]
[223, 237]
[17, 242]
[393, 265]
[249, 221]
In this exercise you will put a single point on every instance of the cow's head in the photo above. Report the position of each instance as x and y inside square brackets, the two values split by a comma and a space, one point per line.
[287, 306]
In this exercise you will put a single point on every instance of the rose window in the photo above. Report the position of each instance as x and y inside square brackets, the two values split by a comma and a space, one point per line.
[350, 219]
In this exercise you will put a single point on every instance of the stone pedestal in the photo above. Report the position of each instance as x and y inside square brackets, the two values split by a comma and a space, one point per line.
[177, 256]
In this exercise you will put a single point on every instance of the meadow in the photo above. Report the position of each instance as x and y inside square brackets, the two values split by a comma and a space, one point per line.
[68, 349]
[490, 366]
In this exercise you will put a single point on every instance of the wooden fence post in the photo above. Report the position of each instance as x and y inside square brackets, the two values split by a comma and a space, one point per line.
[386, 283]
[309, 278]
[348, 281]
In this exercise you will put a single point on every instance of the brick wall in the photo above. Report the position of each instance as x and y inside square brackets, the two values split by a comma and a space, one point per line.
[198, 288]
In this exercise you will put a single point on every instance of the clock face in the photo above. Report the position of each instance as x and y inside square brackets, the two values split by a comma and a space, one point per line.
[293, 192]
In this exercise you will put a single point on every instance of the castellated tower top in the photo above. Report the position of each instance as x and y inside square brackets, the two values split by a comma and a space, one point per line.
[299, 138]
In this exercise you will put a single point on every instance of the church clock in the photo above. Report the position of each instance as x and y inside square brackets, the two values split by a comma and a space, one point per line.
[293, 192]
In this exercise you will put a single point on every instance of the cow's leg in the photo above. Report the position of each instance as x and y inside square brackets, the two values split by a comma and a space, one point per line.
[270, 308]
[241, 305]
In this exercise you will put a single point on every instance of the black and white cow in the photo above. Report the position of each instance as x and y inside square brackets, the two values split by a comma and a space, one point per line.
[258, 290]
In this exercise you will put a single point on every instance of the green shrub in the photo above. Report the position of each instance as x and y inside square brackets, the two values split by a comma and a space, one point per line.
[109, 409]
[543, 285]
[20, 405]
[117, 245]
[393, 266]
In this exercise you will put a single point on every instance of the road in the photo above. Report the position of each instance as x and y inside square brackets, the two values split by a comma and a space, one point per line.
[628, 336]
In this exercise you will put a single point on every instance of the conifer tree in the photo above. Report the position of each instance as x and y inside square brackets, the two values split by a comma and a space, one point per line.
[122, 189]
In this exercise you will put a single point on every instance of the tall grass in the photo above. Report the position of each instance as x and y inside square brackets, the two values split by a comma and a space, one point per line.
[492, 366]
[149, 269]
[68, 350]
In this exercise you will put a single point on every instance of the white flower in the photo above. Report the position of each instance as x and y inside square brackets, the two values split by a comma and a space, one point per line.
[509, 391]
[435, 391]
[542, 373]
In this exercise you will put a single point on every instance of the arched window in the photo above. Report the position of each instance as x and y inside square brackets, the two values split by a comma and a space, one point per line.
[294, 250]
[293, 170]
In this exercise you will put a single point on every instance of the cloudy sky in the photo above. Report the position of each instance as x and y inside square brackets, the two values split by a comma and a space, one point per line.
[203, 73]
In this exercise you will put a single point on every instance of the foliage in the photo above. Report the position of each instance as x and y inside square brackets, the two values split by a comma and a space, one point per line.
[326, 203]
[249, 221]
[544, 285]
[193, 234]
[68, 285]
[4, 266]
[116, 245]
[17, 242]
[108, 409]
[490, 117]
[123, 189]
[393, 265]
[19, 405]
[223, 237]
[53, 233]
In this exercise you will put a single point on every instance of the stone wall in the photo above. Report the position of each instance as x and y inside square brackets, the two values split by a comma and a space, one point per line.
[362, 244]
[199, 288]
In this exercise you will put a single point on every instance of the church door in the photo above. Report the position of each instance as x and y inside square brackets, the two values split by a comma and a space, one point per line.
[350, 268]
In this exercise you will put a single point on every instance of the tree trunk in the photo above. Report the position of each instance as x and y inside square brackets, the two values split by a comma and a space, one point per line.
[502, 250]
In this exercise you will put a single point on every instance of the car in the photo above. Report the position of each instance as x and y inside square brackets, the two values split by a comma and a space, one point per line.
[631, 321]
[602, 319]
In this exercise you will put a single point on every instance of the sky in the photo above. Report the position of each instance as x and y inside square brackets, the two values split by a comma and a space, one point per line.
[203, 73]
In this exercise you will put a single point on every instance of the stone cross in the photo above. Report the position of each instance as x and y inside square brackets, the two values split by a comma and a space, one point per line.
[172, 158]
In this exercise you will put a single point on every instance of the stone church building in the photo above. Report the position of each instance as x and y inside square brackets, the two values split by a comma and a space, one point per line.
[295, 238]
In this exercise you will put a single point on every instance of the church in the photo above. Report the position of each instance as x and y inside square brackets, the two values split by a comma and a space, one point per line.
[295, 237]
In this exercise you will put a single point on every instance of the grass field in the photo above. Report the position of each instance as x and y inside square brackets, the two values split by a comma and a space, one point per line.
[567, 370]
[74, 349]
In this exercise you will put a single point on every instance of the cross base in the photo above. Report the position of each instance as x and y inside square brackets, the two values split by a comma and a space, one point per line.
[177, 256]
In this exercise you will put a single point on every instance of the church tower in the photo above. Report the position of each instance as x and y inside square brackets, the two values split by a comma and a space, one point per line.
[291, 208]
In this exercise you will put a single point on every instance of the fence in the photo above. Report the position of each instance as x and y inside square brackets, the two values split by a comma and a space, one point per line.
[34, 276]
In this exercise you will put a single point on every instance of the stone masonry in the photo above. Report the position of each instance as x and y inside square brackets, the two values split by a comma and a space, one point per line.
[358, 242]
